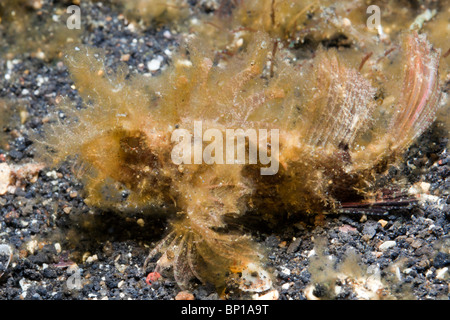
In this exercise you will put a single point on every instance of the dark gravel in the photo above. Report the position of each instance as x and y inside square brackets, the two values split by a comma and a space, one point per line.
[65, 250]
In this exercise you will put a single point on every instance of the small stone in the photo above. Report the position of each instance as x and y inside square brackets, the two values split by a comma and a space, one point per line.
[5, 177]
[37, 4]
[440, 273]
[382, 222]
[347, 228]
[36, 296]
[417, 244]
[92, 259]
[424, 263]
[131, 27]
[125, 57]
[311, 253]
[67, 210]
[386, 245]
[271, 295]
[58, 247]
[424, 250]
[293, 247]
[407, 271]
[184, 295]
[346, 22]
[377, 254]
[286, 286]
[140, 222]
[285, 271]
[49, 273]
[52, 174]
[32, 246]
[85, 256]
[369, 230]
[23, 253]
[73, 194]
[441, 260]
[24, 116]
[154, 65]
[425, 186]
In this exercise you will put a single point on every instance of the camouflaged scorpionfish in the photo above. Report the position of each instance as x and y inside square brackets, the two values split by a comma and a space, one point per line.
[338, 131]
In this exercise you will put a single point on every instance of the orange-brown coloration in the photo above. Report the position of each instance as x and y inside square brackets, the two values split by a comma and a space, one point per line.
[334, 141]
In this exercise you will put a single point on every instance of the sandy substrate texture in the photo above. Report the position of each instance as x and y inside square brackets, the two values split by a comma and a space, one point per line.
[55, 237]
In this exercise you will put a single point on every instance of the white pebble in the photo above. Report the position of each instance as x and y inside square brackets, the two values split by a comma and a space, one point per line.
[386, 245]
[440, 273]
[32, 246]
[52, 174]
[154, 65]
[131, 27]
[168, 52]
[92, 258]
[285, 286]
[24, 286]
[285, 271]
[167, 34]
[311, 253]
[407, 271]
